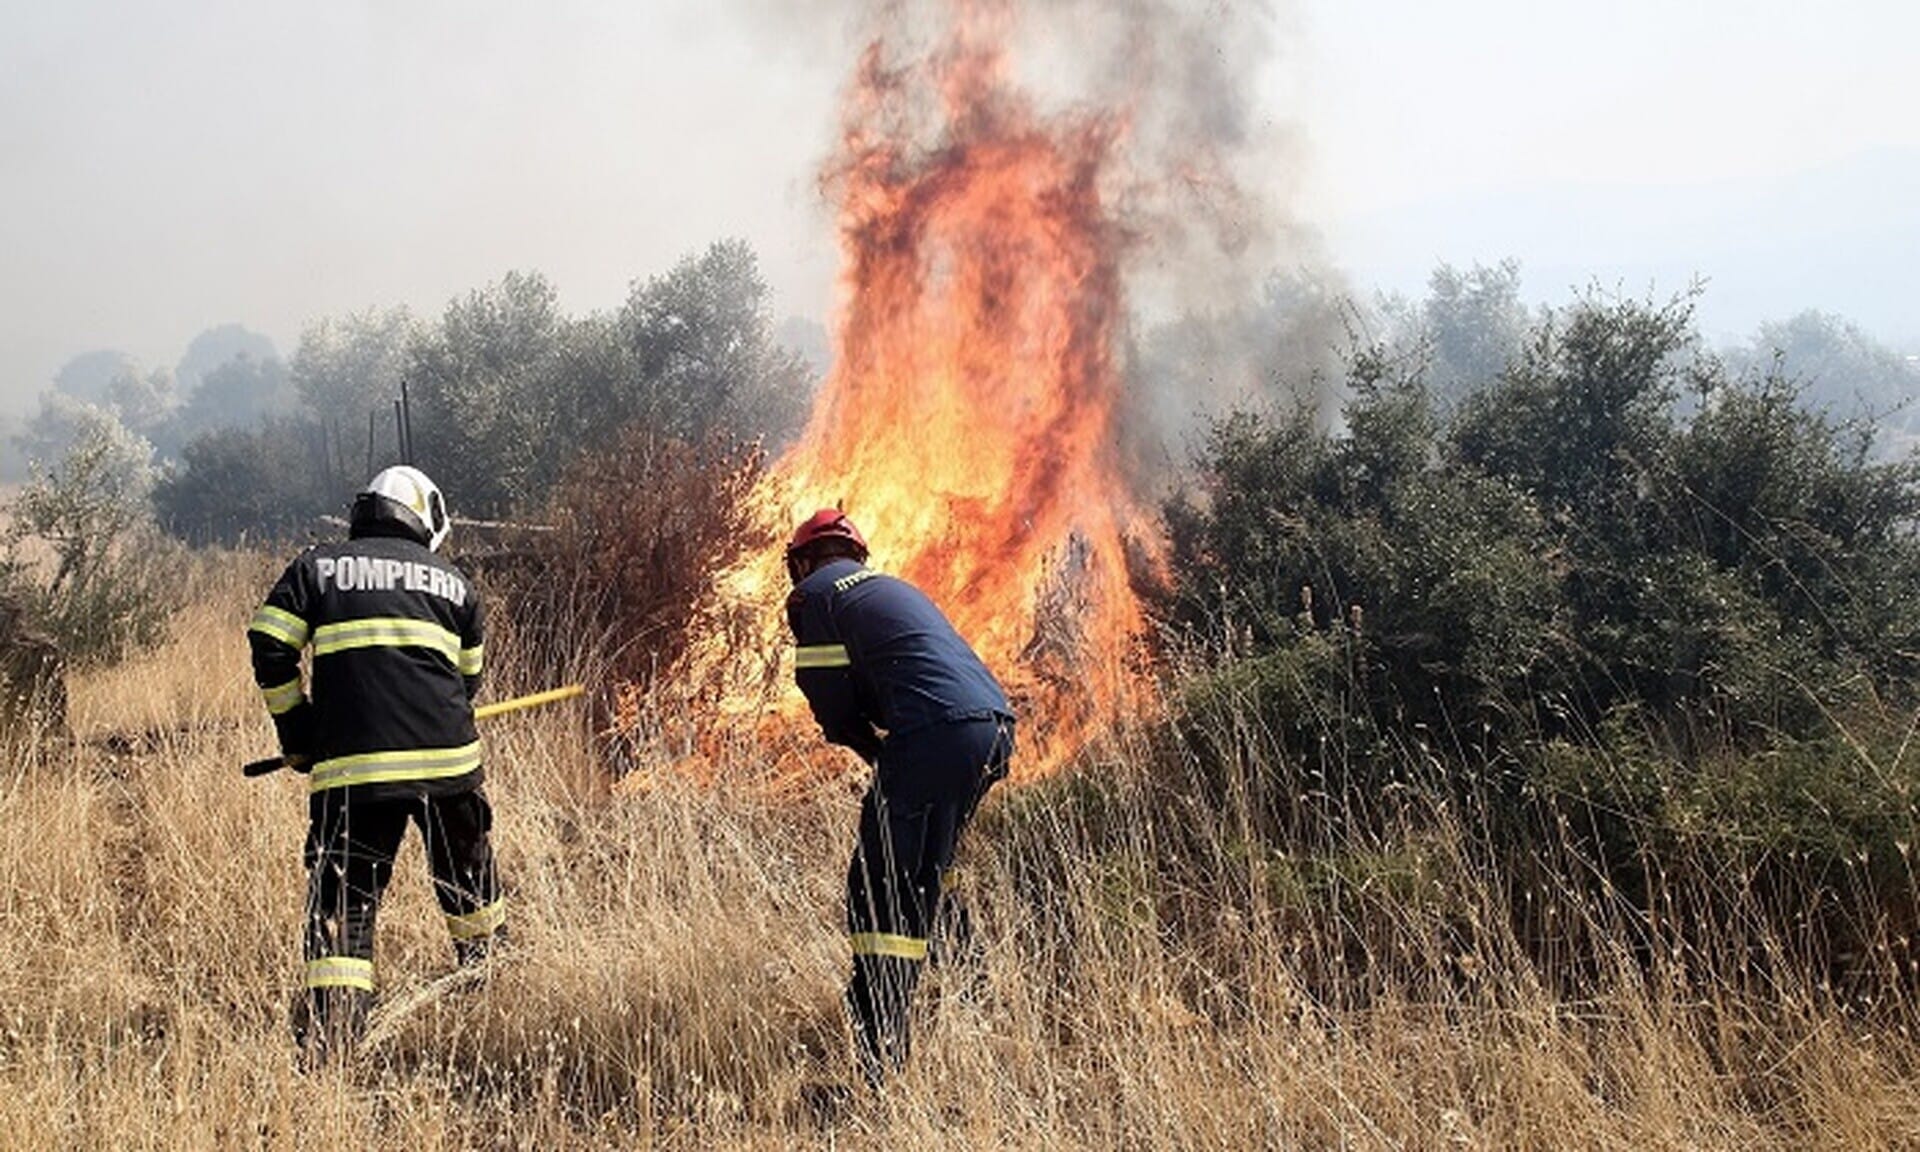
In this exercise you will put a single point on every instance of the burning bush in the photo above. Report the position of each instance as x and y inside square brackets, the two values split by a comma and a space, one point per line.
[638, 531]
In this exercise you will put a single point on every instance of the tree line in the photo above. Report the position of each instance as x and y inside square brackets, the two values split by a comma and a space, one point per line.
[506, 394]
[504, 390]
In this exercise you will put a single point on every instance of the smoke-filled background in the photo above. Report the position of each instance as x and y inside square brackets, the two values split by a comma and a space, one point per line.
[173, 169]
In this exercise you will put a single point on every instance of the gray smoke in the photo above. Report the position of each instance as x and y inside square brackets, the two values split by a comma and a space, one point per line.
[1232, 299]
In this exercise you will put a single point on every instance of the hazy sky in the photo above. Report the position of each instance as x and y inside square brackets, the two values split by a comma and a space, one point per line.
[170, 167]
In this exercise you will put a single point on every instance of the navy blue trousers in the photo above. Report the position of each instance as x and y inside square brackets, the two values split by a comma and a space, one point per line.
[925, 789]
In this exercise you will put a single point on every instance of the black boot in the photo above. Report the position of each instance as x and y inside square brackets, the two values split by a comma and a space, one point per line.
[878, 998]
[328, 1023]
[467, 953]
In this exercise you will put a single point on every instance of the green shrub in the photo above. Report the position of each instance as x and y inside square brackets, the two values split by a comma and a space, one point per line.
[1570, 544]
[1653, 656]
[232, 484]
[108, 591]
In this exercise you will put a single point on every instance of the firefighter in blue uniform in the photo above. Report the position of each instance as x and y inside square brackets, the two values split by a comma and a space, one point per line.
[889, 678]
[386, 736]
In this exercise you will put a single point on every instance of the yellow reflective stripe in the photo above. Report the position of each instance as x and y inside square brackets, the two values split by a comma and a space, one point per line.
[821, 656]
[390, 767]
[279, 624]
[340, 972]
[471, 659]
[483, 922]
[887, 944]
[283, 698]
[385, 632]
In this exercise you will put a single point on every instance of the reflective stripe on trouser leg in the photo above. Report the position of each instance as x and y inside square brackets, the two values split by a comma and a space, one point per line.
[340, 972]
[465, 880]
[888, 944]
[482, 922]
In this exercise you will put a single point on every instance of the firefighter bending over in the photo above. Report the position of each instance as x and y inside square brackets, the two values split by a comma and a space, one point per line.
[888, 677]
[386, 736]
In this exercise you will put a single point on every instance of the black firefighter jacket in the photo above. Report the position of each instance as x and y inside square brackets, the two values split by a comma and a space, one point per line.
[397, 655]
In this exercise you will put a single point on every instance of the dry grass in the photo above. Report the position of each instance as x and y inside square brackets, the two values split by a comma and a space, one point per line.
[676, 964]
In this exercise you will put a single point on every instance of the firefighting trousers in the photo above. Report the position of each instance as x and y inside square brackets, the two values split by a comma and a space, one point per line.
[924, 792]
[351, 844]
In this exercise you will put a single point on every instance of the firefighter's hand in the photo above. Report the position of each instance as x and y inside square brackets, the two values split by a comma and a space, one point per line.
[295, 728]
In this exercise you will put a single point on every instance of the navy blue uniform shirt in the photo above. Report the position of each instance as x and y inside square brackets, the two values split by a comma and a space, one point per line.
[876, 656]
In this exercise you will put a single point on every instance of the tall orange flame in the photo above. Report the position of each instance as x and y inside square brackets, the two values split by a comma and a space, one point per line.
[968, 422]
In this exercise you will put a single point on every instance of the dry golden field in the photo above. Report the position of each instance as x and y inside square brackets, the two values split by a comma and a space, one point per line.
[676, 962]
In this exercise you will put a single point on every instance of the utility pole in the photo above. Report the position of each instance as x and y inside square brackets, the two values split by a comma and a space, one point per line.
[406, 424]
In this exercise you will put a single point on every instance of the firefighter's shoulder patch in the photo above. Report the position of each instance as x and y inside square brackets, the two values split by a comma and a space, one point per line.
[852, 578]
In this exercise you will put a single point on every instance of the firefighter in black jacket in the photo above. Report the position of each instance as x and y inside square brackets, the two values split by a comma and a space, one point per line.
[888, 677]
[386, 737]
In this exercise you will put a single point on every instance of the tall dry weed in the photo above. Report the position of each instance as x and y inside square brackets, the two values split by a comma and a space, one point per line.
[1153, 965]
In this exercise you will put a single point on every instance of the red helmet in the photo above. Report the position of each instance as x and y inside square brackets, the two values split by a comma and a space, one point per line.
[827, 524]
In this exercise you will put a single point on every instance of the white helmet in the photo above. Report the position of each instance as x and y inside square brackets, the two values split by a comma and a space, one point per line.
[402, 497]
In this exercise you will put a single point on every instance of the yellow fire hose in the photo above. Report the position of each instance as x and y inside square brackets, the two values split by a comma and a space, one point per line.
[498, 707]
